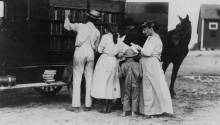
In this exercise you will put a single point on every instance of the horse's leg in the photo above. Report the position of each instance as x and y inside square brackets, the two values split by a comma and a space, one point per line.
[173, 78]
[165, 65]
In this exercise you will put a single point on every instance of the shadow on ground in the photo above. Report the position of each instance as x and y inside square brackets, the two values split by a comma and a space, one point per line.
[28, 97]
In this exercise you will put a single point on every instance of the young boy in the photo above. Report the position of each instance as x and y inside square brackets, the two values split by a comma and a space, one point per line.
[131, 71]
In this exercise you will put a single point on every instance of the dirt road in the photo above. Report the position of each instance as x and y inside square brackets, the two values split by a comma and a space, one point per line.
[197, 101]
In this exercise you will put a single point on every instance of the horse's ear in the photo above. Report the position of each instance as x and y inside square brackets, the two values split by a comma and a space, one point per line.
[180, 18]
[187, 17]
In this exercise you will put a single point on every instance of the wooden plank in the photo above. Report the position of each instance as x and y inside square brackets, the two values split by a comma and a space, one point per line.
[33, 85]
[202, 36]
[69, 3]
[147, 11]
[107, 5]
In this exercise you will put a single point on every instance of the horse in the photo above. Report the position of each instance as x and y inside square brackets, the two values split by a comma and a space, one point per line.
[175, 48]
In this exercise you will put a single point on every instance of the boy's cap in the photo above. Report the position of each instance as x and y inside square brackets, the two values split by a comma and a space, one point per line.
[130, 53]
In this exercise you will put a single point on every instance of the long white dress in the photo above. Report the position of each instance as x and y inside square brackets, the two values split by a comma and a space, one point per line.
[154, 94]
[105, 80]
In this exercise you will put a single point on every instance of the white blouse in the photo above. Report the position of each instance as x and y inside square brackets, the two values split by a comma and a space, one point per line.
[85, 32]
[107, 45]
[152, 47]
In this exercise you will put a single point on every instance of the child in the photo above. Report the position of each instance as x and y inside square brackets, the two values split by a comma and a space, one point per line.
[131, 71]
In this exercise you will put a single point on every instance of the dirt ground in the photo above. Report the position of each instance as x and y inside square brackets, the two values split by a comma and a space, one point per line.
[197, 101]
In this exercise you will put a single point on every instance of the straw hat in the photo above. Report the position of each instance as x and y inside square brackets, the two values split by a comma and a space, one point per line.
[94, 14]
[130, 53]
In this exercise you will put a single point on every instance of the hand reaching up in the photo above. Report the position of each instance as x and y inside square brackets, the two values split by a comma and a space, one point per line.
[67, 13]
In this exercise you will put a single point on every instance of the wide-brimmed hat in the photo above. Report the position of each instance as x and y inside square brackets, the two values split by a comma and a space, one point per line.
[130, 53]
[150, 24]
[94, 14]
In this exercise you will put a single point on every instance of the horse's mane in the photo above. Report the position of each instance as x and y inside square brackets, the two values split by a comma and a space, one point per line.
[178, 37]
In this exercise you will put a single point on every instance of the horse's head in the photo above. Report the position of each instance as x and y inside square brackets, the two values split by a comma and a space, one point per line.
[184, 26]
[182, 34]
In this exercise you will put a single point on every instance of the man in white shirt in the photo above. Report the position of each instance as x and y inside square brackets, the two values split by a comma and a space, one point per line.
[86, 43]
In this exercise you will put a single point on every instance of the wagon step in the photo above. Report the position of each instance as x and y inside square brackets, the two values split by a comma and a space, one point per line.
[33, 85]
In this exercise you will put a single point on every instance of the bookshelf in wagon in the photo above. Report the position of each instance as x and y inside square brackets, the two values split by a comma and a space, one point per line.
[110, 18]
[60, 39]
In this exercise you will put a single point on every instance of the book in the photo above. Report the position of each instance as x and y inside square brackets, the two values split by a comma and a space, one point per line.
[48, 75]
[55, 15]
[50, 72]
[51, 28]
[61, 29]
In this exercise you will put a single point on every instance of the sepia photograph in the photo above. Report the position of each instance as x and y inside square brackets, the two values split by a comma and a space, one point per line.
[109, 62]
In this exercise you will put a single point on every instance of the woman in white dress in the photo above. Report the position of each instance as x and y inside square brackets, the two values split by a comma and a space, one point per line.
[105, 80]
[155, 97]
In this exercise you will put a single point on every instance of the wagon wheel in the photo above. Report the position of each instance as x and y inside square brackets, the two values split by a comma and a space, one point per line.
[48, 90]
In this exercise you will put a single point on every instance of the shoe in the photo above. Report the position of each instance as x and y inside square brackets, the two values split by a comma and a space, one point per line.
[103, 109]
[123, 114]
[109, 107]
[72, 109]
[87, 109]
[133, 114]
[108, 110]
[148, 116]
[168, 115]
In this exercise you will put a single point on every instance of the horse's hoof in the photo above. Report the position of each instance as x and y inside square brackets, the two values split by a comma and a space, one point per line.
[172, 96]
[172, 93]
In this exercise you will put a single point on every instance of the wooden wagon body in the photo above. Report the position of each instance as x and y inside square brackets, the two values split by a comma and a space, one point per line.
[33, 40]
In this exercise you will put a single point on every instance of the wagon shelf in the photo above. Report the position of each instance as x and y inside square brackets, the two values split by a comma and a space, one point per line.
[34, 85]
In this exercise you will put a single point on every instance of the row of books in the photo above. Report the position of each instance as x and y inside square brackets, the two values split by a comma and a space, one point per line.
[101, 28]
[56, 29]
[58, 43]
[55, 43]
[75, 15]
[111, 18]
[60, 39]
[80, 16]
[48, 76]
[69, 43]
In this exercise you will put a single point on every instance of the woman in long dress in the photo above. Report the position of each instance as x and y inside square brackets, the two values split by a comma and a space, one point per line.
[105, 80]
[155, 97]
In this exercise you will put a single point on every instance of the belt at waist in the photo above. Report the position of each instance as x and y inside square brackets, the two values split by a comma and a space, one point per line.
[108, 54]
[77, 44]
[153, 56]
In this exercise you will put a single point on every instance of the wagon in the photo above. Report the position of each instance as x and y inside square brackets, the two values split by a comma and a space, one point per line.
[30, 49]
[35, 50]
